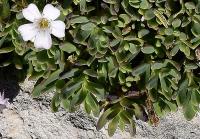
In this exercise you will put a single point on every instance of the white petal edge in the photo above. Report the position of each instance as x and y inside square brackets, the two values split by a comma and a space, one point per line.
[43, 40]
[58, 28]
[31, 13]
[3, 100]
[50, 12]
[28, 31]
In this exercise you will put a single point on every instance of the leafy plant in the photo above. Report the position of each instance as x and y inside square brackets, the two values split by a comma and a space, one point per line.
[121, 59]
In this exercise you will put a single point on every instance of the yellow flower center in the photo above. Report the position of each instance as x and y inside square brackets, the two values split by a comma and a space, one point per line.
[43, 23]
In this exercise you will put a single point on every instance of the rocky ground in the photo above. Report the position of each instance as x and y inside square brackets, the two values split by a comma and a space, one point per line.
[26, 118]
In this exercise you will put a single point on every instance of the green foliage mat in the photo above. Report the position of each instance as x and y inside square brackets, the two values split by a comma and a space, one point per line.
[121, 59]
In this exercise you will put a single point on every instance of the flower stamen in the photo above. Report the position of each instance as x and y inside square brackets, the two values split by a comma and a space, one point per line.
[43, 23]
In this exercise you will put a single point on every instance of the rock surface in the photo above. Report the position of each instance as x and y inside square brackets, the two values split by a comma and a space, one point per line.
[26, 118]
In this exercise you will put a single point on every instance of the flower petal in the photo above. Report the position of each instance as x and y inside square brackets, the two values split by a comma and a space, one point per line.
[3, 100]
[31, 13]
[58, 28]
[28, 31]
[43, 40]
[50, 12]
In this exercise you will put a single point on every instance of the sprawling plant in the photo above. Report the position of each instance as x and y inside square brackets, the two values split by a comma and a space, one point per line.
[121, 59]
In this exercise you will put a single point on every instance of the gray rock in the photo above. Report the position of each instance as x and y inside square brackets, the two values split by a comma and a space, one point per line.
[28, 118]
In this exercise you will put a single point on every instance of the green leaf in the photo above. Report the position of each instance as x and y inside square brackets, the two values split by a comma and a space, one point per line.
[148, 50]
[121, 124]
[7, 49]
[113, 73]
[169, 31]
[152, 83]
[190, 5]
[132, 127]
[134, 48]
[112, 126]
[121, 77]
[176, 23]
[145, 4]
[91, 73]
[158, 108]
[149, 14]
[81, 95]
[153, 94]
[5, 9]
[68, 47]
[129, 79]
[104, 117]
[39, 88]
[36, 75]
[140, 69]
[142, 33]
[55, 103]
[173, 63]
[182, 93]
[125, 102]
[87, 107]
[88, 26]
[138, 111]
[83, 6]
[191, 66]
[165, 90]
[69, 74]
[171, 105]
[59, 84]
[136, 41]
[18, 63]
[174, 51]
[42, 56]
[91, 100]
[107, 29]
[161, 17]
[196, 29]
[95, 88]
[65, 104]
[71, 86]
[185, 49]
[2, 40]
[124, 115]
[110, 1]
[79, 19]
[189, 111]
[134, 3]
[195, 97]
[157, 65]
[126, 19]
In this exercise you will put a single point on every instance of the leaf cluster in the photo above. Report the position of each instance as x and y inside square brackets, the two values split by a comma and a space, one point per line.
[121, 59]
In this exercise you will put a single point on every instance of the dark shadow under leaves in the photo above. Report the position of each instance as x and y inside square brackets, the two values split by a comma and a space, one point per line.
[9, 82]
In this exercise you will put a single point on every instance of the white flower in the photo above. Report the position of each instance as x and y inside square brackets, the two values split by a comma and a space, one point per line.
[42, 26]
[3, 101]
